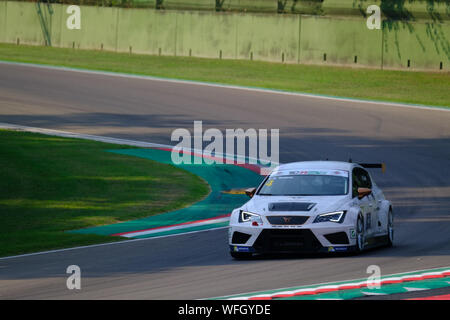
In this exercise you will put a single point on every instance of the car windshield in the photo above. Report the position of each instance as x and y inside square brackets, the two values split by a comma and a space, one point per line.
[305, 184]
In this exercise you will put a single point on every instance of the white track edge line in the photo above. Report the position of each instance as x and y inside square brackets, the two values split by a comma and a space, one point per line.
[171, 228]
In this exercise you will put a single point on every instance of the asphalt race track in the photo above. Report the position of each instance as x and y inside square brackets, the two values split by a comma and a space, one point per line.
[414, 143]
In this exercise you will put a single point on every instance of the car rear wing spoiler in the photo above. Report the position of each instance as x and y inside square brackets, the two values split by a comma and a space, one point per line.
[381, 166]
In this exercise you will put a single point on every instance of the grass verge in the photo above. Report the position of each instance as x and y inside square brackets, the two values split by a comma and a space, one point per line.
[50, 185]
[398, 86]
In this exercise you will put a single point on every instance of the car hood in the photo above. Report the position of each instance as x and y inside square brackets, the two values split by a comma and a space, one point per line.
[292, 205]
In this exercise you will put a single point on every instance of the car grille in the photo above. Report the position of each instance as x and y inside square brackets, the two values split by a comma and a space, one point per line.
[240, 238]
[279, 240]
[337, 238]
[287, 220]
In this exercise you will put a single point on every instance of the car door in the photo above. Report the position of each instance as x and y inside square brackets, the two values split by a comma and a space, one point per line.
[381, 218]
[367, 204]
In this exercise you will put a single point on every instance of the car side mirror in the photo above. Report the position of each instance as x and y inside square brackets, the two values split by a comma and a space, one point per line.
[250, 192]
[362, 192]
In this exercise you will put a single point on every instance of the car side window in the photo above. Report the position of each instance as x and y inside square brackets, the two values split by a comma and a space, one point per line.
[365, 179]
[361, 179]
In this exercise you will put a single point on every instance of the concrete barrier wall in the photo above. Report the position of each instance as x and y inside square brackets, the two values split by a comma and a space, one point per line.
[137, 29]
[424, 45]
[268, 38]
[55, 25]
[276, 38]
[146, 31]
[98, 28]
[202, 34]
[22, 24]
[3, 24]
[340, 41]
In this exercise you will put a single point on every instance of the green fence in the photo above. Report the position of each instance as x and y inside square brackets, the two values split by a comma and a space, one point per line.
[278, 38]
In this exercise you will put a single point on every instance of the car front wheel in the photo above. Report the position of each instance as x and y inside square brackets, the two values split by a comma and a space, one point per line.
[360, 234]
[390, 229]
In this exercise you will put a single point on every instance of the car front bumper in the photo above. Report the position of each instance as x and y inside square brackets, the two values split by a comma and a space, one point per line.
[329, 237]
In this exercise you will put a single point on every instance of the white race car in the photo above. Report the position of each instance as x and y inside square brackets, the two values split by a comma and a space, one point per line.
[312, 206]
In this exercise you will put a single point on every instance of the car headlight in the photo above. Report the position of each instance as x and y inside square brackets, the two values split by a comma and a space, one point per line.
[336, 216]
[246, 216]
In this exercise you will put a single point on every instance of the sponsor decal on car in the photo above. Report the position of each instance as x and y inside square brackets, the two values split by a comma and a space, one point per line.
[340, 173]
[340, 249]
[242, 249]
[286, 226]
[269, 184]
[337, 249]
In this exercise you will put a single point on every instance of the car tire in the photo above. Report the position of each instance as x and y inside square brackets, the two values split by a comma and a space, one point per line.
[390, 229]
[241, 255]
[360, 234]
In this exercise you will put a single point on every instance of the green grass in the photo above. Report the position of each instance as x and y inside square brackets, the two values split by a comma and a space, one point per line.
[398, 86]
[49, 185]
